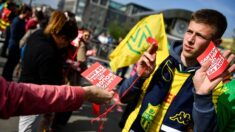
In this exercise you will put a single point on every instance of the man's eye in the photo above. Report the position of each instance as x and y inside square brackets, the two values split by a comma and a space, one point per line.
[189, 32]
[201, 37]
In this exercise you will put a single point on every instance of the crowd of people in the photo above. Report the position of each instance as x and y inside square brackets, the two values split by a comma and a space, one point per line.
[49, 54]
[38, 49]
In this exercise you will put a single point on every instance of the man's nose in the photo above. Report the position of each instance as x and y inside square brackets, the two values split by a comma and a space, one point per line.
[191, 38]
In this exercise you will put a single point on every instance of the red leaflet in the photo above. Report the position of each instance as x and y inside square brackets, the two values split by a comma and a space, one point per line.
[101, 77]
[218, 61]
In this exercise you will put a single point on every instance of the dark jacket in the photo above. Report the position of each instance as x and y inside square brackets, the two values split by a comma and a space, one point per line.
[43, 61]
[17, 31]
[204, 116]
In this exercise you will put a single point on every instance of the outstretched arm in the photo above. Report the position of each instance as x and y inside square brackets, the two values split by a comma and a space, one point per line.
[25, 99]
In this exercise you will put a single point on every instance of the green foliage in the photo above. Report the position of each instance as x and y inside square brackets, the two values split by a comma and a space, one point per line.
[118, 30]
[233, 36]
[233, 47]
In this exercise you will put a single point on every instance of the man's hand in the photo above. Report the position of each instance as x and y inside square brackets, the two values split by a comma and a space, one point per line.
[97, 95]
[147, 62]
[202, 83]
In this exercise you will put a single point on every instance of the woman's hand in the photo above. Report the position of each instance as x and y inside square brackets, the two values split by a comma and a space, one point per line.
[97, 95]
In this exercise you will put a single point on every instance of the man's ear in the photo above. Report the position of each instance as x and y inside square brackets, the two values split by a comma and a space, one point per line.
[217, 42]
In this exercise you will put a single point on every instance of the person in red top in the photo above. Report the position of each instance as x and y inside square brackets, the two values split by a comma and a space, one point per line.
[15, 98]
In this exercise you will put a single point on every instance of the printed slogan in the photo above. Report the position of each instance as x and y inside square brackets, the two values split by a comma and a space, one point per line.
[218, 62]
[101, 77]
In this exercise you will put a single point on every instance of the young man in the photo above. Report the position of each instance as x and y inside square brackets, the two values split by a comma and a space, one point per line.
[166, 98]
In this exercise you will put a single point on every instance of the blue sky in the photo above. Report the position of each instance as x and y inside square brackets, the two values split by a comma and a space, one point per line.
[227, 7]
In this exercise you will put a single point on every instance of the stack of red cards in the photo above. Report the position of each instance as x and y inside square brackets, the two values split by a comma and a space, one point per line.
[101, 77]
[218, 61]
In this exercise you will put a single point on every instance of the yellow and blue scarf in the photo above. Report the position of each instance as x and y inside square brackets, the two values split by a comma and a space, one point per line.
[157, 92]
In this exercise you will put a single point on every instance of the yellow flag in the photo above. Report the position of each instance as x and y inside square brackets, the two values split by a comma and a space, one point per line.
[134, 44]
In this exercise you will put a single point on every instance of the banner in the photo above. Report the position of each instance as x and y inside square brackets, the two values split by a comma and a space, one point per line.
[134, 44]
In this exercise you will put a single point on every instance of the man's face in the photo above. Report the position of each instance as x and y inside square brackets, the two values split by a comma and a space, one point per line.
[85, 36]
[196, 39]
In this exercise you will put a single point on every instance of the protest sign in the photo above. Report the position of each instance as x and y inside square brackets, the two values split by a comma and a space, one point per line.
[101, 77]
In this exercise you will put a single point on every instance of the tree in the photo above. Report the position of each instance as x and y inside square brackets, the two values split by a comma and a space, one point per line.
[118, 30]
[233, 36]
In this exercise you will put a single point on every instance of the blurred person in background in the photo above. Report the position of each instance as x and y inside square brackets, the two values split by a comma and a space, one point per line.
[17, 31]
[102, 45]
[6, 9]
[77, 63]
[83, 48]
[35, 23]
[43, 61]
[5, 23]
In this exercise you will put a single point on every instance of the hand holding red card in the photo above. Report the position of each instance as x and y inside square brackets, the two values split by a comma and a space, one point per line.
[218, 61]
[101, 77]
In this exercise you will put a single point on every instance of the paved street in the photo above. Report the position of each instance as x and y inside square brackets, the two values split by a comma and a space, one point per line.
[79, 122]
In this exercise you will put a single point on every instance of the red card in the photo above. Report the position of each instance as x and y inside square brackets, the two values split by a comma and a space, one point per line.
[101, 77]
[153, 42]
[218, 61]
[96, 109]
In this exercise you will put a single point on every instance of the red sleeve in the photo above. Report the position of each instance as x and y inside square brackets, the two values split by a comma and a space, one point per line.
[24, 99]
[31, 24]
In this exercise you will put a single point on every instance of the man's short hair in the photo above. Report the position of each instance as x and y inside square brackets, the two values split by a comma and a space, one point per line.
[213, 18]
